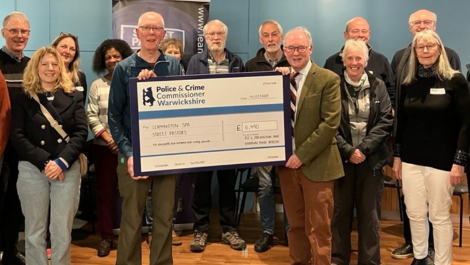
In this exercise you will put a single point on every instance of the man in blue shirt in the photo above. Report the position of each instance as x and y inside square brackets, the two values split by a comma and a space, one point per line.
[147, 62]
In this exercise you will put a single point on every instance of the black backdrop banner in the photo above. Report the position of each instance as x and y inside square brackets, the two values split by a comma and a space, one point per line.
[183, 19]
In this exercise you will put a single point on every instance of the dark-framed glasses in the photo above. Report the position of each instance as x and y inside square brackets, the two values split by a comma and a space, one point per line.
[300, 49]
[149, 28]
[419, 22]
[25, 32]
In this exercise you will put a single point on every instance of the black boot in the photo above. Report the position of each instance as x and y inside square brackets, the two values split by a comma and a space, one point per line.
[419, 262]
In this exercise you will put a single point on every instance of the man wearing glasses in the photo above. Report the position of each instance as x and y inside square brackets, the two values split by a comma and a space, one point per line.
[378, 65]
[147, 62]
[419, 21]
[16, 32]
[307, 179]
[215, 59]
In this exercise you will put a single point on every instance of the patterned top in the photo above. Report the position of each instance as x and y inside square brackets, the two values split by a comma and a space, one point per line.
[97, 108]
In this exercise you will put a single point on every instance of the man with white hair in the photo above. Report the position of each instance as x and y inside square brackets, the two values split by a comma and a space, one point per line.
[216, 59]
[148, 61]
[307, 179]
[267, 58]
[15, 31]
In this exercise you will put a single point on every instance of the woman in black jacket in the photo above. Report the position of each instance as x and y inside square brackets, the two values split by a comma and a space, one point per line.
[431, 143]
[366, 122]
[49, 170]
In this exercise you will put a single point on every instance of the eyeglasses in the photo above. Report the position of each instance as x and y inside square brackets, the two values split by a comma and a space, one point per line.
[428, 47]
[357, 31]
[300, 49]
[212, 34]
[149, 28]
[18, 31]
[419, 22]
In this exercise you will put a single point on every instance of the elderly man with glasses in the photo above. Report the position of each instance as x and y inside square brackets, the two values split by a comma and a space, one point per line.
[148, 61]
[419, 21]
[307, 179]
[15, 31]
[378, 65]
[216, 59]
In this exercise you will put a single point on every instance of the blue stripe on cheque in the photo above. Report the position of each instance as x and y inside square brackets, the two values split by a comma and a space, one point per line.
[209, 111]
[214, 151]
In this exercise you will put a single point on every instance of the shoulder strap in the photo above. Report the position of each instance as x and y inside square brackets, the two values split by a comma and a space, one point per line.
[51, 120]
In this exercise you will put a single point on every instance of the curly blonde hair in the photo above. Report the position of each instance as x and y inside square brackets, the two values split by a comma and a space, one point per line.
[31, 80]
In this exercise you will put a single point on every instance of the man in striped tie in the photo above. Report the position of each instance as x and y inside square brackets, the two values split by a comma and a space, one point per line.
[307, 179]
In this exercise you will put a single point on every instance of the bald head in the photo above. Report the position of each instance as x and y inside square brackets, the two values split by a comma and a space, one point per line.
[151, 16]
[422, 20]
[357, 29]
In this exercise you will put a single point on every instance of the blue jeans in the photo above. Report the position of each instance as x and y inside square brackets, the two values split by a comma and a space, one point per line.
[266, 200]
[35, 191]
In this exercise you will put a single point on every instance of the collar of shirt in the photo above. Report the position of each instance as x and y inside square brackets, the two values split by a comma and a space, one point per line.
[272, 62]
[13, 56]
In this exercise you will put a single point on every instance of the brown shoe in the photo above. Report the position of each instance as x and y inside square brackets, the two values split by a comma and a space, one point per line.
[175, 239]
[104, 248]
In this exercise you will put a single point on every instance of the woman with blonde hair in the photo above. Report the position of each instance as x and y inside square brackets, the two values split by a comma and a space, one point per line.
[49, 170]
[432, 136]
[68, 48]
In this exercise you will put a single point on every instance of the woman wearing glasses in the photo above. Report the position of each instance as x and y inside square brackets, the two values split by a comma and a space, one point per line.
[431, 145]
[67, 46]
[366, 122]
[49, 171]
[105, 150]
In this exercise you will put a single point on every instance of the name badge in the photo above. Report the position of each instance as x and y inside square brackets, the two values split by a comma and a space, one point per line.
[438, 91]
[79, 88]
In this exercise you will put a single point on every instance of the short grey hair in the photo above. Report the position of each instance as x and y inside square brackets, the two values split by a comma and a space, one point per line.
[224, 27]
[15, 15]
[355, 45]
[432, 13]
[442, 66]
[270, 21]
[304, 30]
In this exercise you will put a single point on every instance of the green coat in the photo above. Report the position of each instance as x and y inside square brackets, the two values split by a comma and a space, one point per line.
[317, 120]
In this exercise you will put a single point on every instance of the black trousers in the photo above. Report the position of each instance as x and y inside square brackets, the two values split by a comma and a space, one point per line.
[360, 188]
[202, 201]
[11, 217]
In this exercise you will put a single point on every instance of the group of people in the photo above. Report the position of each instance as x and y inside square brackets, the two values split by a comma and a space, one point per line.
[342, 116]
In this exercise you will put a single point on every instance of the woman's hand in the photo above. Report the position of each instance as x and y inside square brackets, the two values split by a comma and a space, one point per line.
[397, 168]
[456, 174]
[53, 170]
[112, 146]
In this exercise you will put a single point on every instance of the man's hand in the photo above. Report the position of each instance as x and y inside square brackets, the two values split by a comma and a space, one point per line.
[130, 169]
[146, 74]
[283, 70]
[293, 162]
[357, 157]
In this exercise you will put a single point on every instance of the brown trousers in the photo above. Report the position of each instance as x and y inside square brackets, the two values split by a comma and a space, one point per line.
[309, 209]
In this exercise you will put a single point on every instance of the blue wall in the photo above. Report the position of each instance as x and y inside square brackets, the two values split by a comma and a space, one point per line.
[91, 20]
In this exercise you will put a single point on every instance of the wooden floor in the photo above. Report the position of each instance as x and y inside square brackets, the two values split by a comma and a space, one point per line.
[84, 245]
